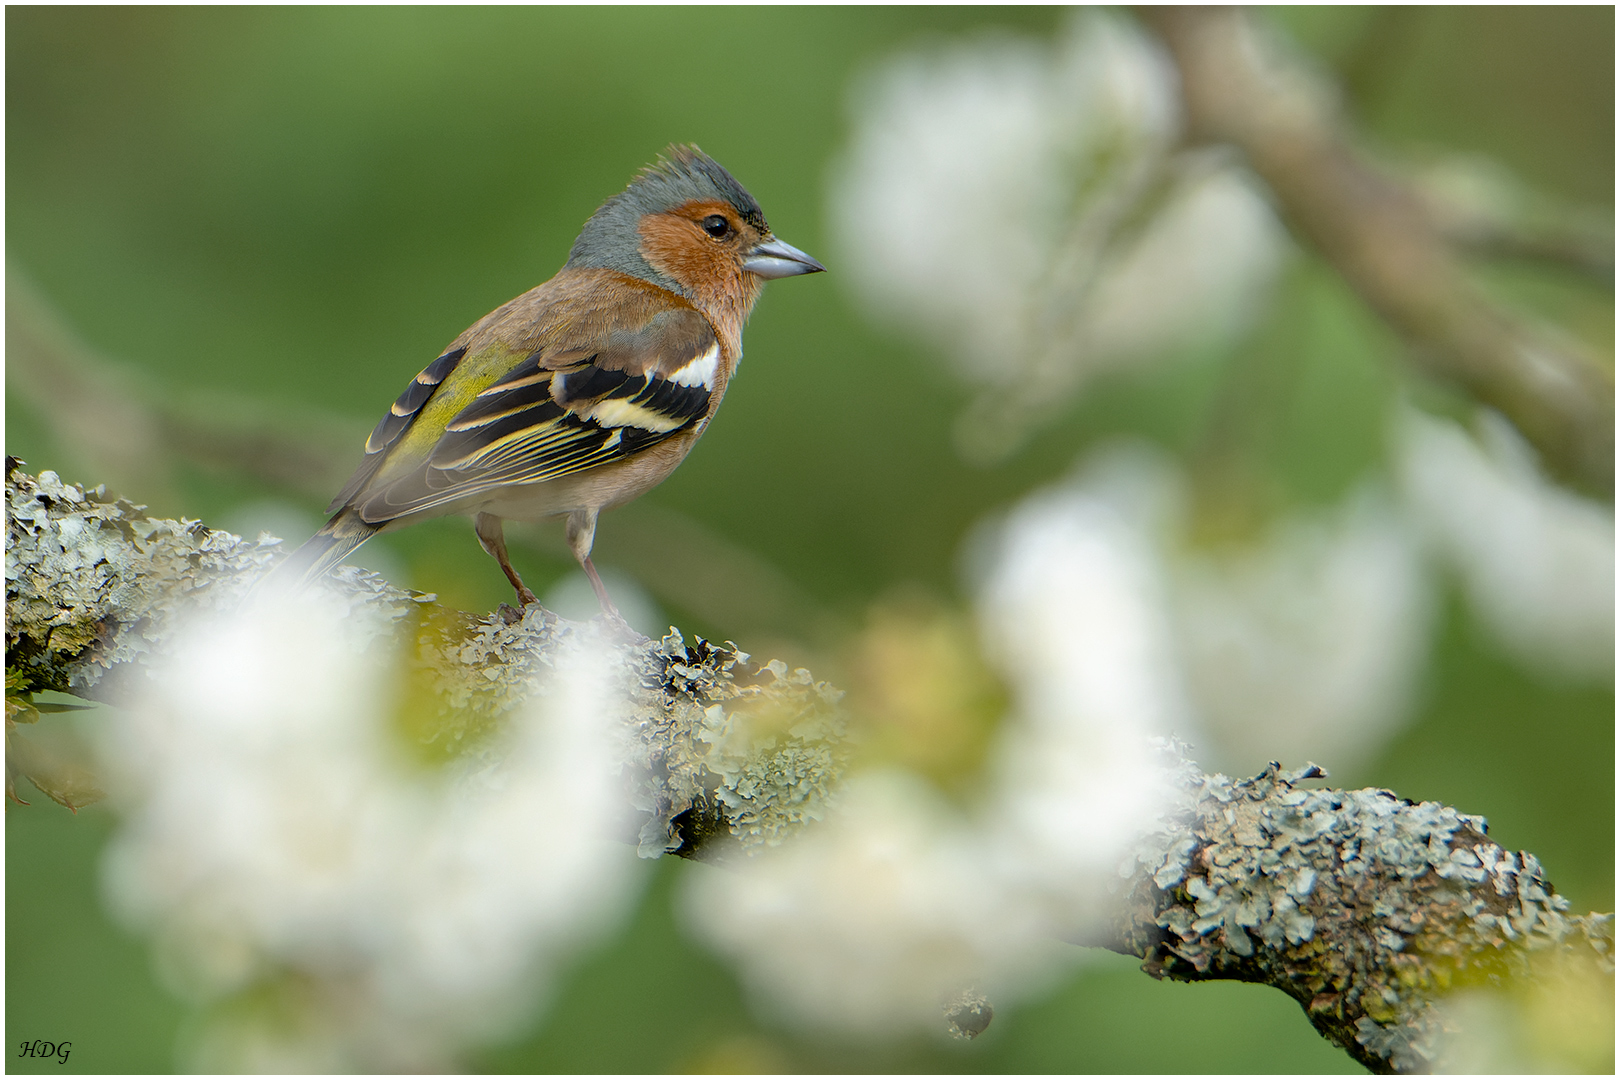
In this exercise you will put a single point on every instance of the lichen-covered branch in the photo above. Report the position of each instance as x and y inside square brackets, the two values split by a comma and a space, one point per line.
[1362, 906]
[1240, 88]
[95, 589]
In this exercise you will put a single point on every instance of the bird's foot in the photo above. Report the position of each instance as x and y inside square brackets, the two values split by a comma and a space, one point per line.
[511, 616]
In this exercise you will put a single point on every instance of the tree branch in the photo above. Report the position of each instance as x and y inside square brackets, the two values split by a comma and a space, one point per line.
[1481, 209]
[95, 590]
[1239, 88]
[1362, 906]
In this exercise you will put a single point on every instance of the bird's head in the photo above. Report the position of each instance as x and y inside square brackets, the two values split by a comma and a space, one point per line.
[686, 224]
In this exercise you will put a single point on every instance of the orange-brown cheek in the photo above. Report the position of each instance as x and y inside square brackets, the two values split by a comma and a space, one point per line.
[678, 248]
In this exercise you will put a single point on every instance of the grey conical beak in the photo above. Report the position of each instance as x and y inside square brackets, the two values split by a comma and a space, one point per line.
[774, 259]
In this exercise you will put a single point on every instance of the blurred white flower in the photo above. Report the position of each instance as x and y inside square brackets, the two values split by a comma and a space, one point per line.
[870, 920]
[1307, 645]
[1074, 615]
[1304, 643]
[901, 900]
[1107, 632]
[1020, 204]
[1197, 272]
[277, 834]
[1536, 559]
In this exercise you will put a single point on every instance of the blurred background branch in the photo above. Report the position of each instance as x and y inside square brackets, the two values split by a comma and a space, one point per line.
[134, 429]
[1240, 85]
[1480, 207]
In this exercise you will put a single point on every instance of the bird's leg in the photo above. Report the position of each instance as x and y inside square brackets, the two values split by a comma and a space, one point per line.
[491, 538]
[608, 606]
[581, 532]
[610, 610]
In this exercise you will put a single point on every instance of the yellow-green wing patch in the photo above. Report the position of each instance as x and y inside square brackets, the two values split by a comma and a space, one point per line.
[536, 423]
[393, 424]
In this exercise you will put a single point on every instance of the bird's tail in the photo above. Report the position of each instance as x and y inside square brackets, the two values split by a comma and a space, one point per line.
[323, 551]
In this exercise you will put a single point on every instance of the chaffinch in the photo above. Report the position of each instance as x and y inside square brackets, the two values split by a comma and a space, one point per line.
[587, 390]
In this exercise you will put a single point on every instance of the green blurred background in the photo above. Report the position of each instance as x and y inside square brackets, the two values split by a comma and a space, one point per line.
[291, 210]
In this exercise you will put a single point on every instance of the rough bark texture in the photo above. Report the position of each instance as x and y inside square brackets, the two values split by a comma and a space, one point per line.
[1362, 906]
[1241, 88]
[718, 757]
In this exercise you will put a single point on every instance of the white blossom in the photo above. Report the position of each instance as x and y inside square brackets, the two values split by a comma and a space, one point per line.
[1108, 631]
[1020, 205]
[1307, 644]
[1536, 559]
[901, 900]
[277, 833]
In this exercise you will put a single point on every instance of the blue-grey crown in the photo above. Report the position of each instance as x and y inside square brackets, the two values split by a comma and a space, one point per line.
[610, 239]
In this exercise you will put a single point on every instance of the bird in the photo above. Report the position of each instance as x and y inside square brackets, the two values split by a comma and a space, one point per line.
[584, 392]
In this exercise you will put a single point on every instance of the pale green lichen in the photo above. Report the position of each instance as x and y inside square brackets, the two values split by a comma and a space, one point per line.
[762, 755]
[92, 583]
[1365, 907]
[95, 588]
[712, 752]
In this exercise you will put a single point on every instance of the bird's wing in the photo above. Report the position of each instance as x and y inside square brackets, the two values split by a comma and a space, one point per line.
[559, 411]
[395, 421]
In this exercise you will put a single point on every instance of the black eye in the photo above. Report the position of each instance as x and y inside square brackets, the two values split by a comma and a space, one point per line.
[717, 226]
